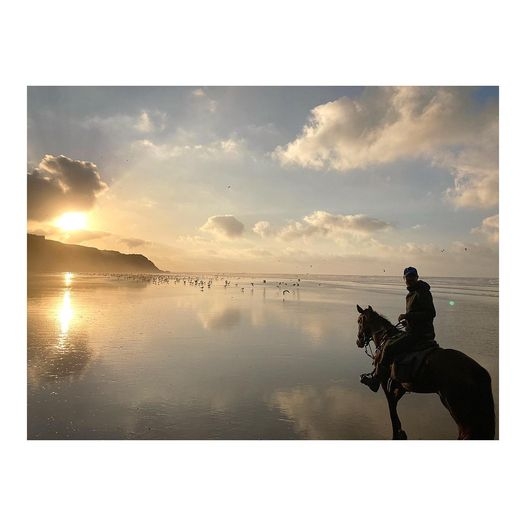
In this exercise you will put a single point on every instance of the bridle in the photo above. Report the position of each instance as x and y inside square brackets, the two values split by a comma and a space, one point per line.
[367, 339]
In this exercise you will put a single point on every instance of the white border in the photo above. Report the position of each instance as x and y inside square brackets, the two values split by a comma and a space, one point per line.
[266, 43]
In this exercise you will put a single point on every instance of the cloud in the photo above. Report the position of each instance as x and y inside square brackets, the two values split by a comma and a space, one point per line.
[476, 178]
[59, 185]
[80, 236]
[132, 242]
[298, 229]
[224, 226]
[263, 229]
[323, 223]
[489, 228]
[145, 122]
[442, 125]
[229, 149]
[210, 104]
[354, 223]
[77, 236]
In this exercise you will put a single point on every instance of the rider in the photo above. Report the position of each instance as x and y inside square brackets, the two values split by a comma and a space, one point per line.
[418, 322]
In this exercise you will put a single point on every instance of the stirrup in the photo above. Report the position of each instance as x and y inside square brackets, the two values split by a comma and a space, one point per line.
[367, 375]
[371, 381]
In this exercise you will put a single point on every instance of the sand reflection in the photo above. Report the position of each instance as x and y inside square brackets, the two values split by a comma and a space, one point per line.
[222, 319]
[333, 412]
[315, 327]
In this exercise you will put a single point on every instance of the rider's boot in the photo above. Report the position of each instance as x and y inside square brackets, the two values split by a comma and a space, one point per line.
[374, 379]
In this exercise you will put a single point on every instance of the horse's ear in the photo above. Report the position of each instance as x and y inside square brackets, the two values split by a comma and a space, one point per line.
[359, 309]
[369, 307]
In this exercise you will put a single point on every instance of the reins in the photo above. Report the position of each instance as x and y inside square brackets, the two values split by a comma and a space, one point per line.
[367, 347]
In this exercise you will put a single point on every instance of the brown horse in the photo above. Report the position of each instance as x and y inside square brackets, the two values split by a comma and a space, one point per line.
[463, 385]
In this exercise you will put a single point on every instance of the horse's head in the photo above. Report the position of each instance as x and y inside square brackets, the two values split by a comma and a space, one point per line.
[364, 325]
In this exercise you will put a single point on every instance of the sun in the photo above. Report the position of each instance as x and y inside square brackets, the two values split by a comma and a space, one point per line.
[72, 221]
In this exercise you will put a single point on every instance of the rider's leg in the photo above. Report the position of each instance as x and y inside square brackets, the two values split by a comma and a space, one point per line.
[381, 371]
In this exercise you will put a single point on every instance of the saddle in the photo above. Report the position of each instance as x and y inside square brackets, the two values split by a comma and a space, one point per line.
[406, 366]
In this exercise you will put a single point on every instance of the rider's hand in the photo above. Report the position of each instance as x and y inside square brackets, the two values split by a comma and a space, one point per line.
[401, 317]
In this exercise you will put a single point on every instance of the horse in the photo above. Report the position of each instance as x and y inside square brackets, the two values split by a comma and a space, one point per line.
[463, 385]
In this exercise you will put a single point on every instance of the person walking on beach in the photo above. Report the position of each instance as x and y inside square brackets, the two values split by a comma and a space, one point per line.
[418, 322]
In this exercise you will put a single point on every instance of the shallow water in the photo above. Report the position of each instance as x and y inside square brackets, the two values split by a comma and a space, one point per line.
[166, 357]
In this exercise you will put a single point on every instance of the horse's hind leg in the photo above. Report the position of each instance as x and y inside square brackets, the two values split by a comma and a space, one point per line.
[392, 400]
[459, 409]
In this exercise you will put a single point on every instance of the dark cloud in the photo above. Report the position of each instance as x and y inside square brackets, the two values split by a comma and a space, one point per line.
[59, 185]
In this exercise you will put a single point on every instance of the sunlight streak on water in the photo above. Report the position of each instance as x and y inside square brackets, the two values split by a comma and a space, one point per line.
[66, 313]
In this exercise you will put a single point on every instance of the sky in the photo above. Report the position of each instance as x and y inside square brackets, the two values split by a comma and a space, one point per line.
[276, 179]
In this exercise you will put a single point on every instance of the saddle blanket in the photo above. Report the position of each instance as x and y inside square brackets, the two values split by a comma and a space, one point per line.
[406, 366]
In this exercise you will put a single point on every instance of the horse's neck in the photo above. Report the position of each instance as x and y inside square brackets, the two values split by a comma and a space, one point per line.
[380, 331]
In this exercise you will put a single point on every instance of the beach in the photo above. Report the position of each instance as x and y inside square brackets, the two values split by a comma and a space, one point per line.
[232, 357]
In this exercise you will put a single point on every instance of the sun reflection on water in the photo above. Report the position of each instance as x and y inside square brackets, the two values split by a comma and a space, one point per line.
[68, 278]
[66, 313]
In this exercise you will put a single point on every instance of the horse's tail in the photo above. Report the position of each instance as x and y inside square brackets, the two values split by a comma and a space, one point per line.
[466, 391]
[483, 417]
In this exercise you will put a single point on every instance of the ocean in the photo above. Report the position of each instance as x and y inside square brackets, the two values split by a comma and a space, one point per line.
[232, 357]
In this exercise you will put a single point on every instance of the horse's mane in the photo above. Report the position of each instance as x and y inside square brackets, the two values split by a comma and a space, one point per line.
[383, 318]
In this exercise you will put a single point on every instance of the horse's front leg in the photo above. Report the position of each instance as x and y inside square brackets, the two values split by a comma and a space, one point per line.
[392, 400]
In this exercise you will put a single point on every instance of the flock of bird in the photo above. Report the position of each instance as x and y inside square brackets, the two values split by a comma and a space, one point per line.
[203, 283]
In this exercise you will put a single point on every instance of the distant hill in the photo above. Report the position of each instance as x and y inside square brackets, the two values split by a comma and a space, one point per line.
[44, 255]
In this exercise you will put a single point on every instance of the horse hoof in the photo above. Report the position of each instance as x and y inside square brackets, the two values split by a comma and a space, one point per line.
[400, 435]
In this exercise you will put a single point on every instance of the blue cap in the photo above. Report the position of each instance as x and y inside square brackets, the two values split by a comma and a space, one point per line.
[409, 271]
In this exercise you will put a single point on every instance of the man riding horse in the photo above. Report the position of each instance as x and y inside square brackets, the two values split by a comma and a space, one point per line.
[418, 322]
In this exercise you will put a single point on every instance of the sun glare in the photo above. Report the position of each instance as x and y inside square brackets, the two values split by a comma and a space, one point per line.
[68, 278]
[72, 221]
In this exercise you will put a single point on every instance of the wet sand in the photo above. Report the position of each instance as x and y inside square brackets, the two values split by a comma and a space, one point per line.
[230, 357]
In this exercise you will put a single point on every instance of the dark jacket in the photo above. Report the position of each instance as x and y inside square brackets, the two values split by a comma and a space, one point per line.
[420, 311]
